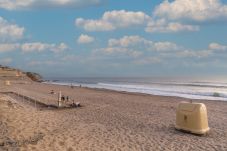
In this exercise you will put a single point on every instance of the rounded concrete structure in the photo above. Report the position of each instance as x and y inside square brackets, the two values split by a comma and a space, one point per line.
[192, 117]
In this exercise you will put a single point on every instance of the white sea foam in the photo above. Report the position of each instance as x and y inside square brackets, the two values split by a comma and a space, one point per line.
[191, 90]
[182, 91]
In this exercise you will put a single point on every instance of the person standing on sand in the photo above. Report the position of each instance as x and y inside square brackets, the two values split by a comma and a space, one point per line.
[63, 98]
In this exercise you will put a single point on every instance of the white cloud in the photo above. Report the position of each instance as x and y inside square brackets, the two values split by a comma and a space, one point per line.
[41, 63]
[60, 48]
[39, 47]
[128, 41]
[194, 54]
[33, 47]
[214, 49]
[9, 47]
[5, 61]
[116, 19]
[165, 46]
[84, 39]
[29, 4]
[164, 26]
[148, 60]
[216, 46]
[173, 15]
[136, 47]
[147, 51]
[9, 31]
[140, 43]
[112, 20]
[124, 18]
[198, 10]
[94, 25]
[118, 51]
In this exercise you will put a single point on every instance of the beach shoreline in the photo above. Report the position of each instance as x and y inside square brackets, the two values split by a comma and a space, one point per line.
[138, 93]
[107, 120]
[192, 89]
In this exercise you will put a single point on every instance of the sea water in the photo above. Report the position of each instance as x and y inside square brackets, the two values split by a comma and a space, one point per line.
[192, 88]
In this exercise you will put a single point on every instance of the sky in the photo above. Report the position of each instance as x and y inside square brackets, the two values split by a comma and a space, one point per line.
[108, 38]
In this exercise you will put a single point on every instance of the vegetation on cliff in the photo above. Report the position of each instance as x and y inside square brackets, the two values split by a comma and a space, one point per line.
[34, 76]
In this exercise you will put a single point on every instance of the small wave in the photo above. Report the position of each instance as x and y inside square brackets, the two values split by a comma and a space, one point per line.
[207, 93]
[181, 92]
[193, 84]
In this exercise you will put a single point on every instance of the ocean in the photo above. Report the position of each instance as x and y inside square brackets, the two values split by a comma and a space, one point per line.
[192, 88]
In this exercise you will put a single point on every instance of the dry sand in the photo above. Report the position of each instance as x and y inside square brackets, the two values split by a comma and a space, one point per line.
[107, 120]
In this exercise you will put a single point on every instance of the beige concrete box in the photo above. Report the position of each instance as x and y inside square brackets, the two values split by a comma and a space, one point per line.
[192, 117]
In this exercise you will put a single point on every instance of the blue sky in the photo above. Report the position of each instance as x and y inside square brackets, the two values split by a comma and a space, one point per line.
[115, 38]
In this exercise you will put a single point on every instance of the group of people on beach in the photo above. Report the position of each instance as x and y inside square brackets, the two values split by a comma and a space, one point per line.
[63, 98]
[67, 99]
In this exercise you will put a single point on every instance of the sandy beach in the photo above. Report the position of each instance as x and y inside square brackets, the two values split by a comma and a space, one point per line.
[107, 120]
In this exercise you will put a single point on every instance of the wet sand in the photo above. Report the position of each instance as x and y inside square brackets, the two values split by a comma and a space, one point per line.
[107, 120]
